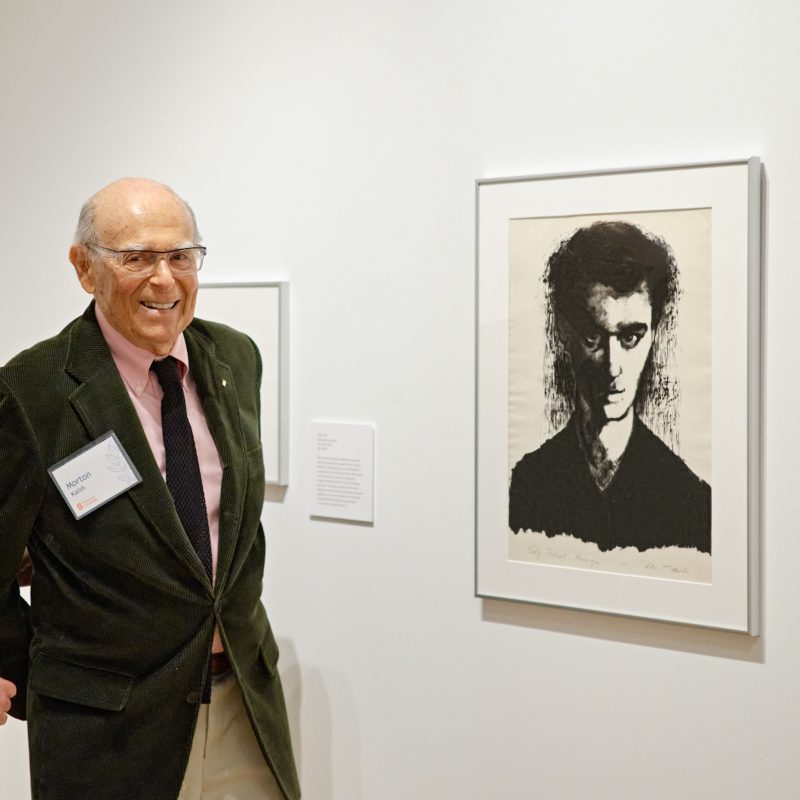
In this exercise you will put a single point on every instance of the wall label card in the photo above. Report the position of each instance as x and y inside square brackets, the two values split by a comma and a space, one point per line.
[344, 466]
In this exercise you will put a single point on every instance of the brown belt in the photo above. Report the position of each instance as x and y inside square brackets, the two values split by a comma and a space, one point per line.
[220, 664]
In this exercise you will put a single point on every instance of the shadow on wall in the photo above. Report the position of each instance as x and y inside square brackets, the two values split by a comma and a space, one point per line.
[274, 494]
[312, 703]
[630, 630]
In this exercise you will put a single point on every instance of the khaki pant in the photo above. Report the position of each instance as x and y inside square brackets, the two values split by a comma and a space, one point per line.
[225, 762]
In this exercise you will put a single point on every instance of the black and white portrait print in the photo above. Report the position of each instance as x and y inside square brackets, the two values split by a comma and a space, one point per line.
[609, 392]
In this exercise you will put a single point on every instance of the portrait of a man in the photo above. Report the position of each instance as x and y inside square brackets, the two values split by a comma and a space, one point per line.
[610, 290]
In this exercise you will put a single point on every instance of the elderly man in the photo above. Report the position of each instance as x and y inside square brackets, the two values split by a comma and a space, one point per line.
[606, 478]
[131, 468]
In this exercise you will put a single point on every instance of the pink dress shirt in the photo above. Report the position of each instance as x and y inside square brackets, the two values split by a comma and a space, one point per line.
[145, 392]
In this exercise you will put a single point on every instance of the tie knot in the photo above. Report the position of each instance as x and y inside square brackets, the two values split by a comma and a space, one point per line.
[166, 371]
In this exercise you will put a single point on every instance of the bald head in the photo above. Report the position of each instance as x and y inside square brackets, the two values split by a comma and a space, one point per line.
[105, 210]
[149, 307]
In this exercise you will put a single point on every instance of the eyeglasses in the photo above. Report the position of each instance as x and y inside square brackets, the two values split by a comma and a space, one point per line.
[142, 263]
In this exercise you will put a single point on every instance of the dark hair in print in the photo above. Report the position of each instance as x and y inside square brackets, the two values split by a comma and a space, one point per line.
[624, 257]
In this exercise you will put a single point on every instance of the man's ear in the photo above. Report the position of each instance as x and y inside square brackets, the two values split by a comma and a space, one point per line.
[79, 256]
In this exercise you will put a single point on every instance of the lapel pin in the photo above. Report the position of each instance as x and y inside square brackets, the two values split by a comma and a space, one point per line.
[224, 382]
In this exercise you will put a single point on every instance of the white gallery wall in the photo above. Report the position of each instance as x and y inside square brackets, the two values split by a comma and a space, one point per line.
[335, 145]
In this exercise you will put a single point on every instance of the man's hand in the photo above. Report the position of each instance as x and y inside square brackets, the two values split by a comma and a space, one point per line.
[7, 691]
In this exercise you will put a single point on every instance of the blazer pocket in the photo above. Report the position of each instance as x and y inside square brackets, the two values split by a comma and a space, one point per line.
[78, 683]
[269, 652]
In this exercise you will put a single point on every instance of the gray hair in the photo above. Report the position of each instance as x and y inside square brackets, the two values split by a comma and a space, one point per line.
[86, 230]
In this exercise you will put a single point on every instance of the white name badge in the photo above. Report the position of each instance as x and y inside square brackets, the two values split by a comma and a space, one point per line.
[95, 474]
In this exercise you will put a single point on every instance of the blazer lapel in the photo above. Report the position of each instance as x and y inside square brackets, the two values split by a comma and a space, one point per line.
[217, 391]
[102, 403]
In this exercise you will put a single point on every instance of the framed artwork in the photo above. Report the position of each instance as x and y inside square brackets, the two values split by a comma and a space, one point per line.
[618, 385]
[261, 310]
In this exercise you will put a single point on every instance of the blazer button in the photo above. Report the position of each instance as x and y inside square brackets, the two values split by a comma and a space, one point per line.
[192, 698]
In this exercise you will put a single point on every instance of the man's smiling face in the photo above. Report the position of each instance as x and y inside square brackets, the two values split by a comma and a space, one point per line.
[150, 312]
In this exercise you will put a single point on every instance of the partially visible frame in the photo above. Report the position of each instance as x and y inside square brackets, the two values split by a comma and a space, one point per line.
[261, 310]
[714, 209]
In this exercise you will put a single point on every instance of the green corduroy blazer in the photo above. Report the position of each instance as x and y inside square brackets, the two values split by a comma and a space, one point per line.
[110, 659]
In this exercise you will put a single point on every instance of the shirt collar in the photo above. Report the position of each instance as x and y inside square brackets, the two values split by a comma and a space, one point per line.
[134, 362]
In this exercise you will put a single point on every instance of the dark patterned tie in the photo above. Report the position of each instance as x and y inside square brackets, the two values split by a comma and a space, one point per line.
[183, 469]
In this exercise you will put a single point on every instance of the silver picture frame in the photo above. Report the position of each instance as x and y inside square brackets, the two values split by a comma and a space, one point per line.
[709, 217]
[261, 310]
